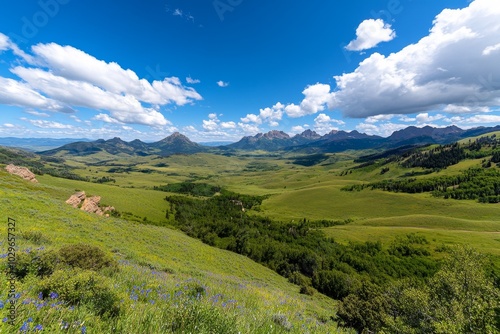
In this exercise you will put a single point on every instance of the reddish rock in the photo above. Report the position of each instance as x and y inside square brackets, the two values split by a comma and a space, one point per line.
[91, 204]
[76, 199]
[23, 172]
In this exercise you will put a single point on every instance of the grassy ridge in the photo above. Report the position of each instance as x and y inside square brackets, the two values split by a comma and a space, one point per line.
[249, 297]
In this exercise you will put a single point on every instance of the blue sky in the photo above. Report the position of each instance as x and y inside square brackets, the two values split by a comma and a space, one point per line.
[219, 70]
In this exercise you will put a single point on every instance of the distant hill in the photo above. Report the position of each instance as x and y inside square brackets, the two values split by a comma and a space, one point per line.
[173, 144]
[305, 142]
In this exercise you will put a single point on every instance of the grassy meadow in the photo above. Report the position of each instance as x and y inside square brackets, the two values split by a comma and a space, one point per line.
[160, 270]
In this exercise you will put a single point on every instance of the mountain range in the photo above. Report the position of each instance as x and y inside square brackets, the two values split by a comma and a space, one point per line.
[305, 142]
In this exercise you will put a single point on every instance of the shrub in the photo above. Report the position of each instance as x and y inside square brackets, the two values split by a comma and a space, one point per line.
[35, 237]
[82, 287]
[307, 290]
[86, 257]
[40, 264]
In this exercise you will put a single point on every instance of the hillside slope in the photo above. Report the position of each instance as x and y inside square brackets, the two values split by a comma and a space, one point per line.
[165, 265]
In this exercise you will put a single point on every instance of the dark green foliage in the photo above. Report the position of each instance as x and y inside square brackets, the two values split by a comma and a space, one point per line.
[38, 263]
[437, 158]
[294, 250]
[257, 166]
[86, 257]
[83, 287]
[189, 188]
[408, 245]
[475, 183]
[310, 160]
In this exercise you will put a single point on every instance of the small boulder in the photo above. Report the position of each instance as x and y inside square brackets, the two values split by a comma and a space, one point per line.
[91, 204]
[76, 199]
[23, 172]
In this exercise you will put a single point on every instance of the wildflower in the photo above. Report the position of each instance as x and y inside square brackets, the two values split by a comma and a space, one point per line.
[30, 319]
[53, 295]
[5, 319]
[38, 327]
[40, 295]
[25, 327]
[1, 304]
[152, 302]
[84, 329]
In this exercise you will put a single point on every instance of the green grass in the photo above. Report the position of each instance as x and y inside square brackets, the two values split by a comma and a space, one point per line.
[251, 298]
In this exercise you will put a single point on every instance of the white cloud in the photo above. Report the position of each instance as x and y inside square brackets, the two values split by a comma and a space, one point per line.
[192, 81]
[106, 118]
[210, 125]
[4, 42]
[222, 83]
[62, 77]
[20, 94]
[323, 124]
[383, 129]
[177, 12]
[228, 125]
[490, 49]
[48, 124]
[267, 115]
[378, 118]
[426, 118]
[316, 99]
[74, 64]
[370, 33]
[9, 125]
[37, 113]
[297, 129]
[461, 109]
[248, 129]
[409, 81]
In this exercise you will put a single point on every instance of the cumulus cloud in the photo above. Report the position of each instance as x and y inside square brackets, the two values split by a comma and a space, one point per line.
[324, 124]
[222, 83]
[445, 68]
[316, 99]
[370, 33]
[267, 115]
[63, 77]
[20, 94]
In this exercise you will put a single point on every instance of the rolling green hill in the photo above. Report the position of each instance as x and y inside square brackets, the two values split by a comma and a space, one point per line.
[158, 271]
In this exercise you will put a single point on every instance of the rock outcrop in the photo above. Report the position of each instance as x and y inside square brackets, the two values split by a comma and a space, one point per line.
[23, 172]
[76, 199]
[89, 204]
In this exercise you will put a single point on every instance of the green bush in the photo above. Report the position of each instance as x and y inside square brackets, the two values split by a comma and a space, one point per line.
[34, 236]
[82, 287]
[86, 257]
[40, 264]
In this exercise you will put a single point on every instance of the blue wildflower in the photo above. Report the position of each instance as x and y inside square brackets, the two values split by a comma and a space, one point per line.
[30, 319]
[38, 327]
[5, 319]
[40, 295]
[1, 304]
[53, 295]
[25, 327]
